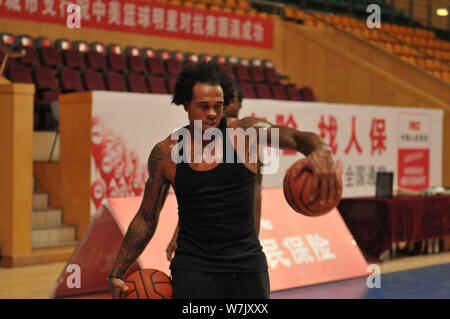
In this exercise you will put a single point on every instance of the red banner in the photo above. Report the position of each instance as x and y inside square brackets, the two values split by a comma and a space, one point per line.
[151, 18]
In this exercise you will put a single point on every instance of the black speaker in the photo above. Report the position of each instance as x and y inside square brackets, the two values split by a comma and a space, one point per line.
[384, 184]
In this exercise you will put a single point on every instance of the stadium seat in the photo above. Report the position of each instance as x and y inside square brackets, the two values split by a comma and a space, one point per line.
[93, 80]
[278, 92]
[115, 82]
[292, 92]
[31, 57]
[248, 90]
[307, 94]
[136, 63]
[156, 66]
[241, 72]
[19, 74]
[70, 81]
[47, 88]
[156, 84]
[257, 74]
[95, 57]
[271, 75]
[136, 83]
[50, 56]
[263, 91]
[171, 83]
[71, 58]
[173, 66]
[44, 78]
[116, 61]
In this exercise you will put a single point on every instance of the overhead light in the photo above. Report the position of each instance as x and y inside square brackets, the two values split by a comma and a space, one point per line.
[442, 12]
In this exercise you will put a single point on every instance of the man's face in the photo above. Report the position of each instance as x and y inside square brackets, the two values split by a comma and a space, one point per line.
[206, 105]
[232, 109]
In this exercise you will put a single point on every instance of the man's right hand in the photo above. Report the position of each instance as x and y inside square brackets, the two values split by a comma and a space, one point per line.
[116, 286]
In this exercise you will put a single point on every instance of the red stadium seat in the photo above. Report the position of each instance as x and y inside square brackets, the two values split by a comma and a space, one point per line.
[241, 72]
[271, 75]
[263, 91]
[96, 61]
[50, 57]
[72, 58]
[93, 80]
[115, 82]
[95, 57]
[307, 94]
[278, 92]
[171, 84]
[70, 81]
[116, 61]
[248, 90]
[31, 58]
[44, 78]
[136, 83]
[257, 74]
[293, 93]
[173, 66]
[156, 84]
[47, 89]
[156, 66]
[19, 74]
[136, 63]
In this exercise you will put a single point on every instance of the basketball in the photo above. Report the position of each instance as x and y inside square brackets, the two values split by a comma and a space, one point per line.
[297, 191]
[147, 284]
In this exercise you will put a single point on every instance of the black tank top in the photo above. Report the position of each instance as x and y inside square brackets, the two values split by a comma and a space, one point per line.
[216, 218]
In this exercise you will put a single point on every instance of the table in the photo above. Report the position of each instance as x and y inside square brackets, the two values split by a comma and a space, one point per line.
[377, 223]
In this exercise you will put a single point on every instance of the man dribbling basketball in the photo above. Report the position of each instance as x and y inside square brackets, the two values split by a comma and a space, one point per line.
[230, 110]
[218, 254]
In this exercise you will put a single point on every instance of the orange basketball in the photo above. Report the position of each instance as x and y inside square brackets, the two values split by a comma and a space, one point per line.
[147, 284]
[297, 191]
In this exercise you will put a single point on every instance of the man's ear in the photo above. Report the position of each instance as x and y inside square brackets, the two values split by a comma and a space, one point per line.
[186, 106]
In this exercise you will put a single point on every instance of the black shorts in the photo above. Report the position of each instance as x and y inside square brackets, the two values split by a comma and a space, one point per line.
[220, 285]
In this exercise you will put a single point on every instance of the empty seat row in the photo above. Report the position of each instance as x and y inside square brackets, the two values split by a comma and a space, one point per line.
[81, 55]
[277, 91]
[49, 83]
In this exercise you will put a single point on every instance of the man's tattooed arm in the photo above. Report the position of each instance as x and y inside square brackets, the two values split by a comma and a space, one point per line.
[143, 225]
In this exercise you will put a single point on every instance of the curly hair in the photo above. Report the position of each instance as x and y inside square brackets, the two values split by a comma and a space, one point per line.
[210, 72]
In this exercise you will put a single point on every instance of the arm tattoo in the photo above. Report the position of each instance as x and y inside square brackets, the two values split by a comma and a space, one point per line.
[143, 225]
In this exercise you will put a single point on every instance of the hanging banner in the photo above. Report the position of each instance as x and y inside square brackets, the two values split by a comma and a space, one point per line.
[364, 139]
[149, 18]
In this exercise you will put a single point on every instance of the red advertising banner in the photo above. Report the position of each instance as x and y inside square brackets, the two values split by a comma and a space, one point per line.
[150, 18]
[300, 250]
[413, 168]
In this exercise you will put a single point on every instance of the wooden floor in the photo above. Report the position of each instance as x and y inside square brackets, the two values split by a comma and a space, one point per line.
[36, 282]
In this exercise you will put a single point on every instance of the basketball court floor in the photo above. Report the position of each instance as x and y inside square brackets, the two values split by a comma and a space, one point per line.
[414, 277]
